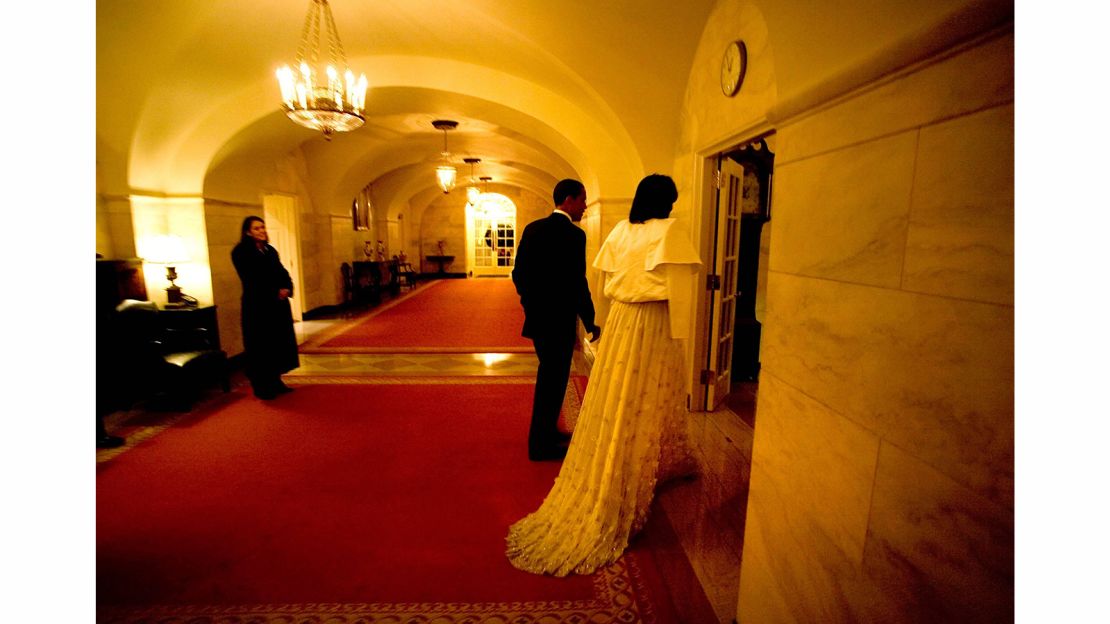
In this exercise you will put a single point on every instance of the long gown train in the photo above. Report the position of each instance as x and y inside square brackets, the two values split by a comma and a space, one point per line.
[629, 434]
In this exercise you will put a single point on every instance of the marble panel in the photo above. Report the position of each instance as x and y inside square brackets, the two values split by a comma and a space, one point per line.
[961, 237]
[681, 504]
[719, 576]
[817, 464]
[843, 215]
[765, 595]
[978, 78]
[699, 509]
[695, 428]
[932, 375]
[937, 551]
[117, 238]
[812, 476]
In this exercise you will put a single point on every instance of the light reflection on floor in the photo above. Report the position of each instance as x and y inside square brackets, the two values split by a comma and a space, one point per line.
[462, 364]
[415, 364]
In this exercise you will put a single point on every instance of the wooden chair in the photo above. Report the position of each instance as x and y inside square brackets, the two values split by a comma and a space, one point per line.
[348, 283]
[406, 275]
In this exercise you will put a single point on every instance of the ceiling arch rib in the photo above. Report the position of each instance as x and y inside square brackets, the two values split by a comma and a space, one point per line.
[403, 187]
[522, 109]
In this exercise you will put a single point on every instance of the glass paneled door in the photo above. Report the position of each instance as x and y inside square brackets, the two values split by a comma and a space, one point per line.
[726, 256]
[491, 235]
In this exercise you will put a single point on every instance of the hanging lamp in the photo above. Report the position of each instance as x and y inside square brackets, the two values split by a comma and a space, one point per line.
[445, 172]
[472, 191]
[322, 100]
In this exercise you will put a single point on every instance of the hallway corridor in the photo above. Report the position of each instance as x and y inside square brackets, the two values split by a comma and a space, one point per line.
[694, 533]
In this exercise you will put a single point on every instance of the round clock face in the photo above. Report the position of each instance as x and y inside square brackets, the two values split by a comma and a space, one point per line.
[733, 66]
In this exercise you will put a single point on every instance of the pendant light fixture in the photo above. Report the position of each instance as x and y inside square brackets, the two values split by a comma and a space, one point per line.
[472, 191]
[317, 96]
[445, 172]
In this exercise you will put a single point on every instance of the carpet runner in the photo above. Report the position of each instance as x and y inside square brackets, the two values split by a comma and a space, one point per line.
[455, 315]
[343, 504]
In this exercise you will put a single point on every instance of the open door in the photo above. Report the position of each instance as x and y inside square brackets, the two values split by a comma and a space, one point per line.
[718, 374]
[280, 214]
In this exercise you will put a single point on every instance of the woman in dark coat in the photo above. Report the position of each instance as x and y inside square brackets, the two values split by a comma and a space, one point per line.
[268, 337]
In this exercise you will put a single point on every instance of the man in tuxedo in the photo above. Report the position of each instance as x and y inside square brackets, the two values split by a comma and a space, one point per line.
[550, 277]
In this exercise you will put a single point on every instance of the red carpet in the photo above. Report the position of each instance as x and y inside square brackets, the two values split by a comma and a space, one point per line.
[345, 502]
[463, 315]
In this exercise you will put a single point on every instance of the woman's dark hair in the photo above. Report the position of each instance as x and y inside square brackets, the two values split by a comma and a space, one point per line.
[567, 188]
[243, 231]
[654, 197]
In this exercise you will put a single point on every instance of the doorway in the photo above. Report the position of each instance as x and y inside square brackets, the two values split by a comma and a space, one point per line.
[738, 284]
[280, 214]
[491, 236]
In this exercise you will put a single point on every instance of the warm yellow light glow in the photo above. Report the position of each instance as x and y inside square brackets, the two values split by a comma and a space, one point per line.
[489, 359]
[445, 175]
[164, 249]
[335, 107]
[472, 194]
[495, 206]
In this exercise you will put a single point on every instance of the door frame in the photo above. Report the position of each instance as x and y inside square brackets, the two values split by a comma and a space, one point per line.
[703, 227]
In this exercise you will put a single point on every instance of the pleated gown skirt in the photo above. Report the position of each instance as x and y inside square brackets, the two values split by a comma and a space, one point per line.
[630, 434]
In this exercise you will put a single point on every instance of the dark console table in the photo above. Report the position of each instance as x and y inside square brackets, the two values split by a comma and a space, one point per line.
[441, 261]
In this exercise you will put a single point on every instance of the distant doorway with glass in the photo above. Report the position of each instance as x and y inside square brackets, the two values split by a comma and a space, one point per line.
[491, 235]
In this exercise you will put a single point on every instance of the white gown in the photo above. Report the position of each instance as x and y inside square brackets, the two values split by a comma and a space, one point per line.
[630, 432]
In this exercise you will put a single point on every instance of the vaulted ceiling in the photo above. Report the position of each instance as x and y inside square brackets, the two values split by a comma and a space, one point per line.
[187, 98]
[541, 90]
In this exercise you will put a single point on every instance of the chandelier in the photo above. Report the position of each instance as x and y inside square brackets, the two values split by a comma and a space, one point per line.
[324, 101]
[445, 172]
[472, 191]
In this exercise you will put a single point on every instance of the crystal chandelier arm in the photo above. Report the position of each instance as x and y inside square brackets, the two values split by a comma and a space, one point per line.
[310, 28]
[335, 47]
[325, 95]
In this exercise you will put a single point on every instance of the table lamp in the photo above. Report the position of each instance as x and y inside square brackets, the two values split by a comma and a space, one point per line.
[169, 250]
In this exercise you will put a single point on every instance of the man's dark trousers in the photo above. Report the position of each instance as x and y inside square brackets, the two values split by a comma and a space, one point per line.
[551, 386]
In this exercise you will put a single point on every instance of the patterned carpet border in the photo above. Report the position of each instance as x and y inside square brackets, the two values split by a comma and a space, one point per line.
[615, 601]
[138, 436]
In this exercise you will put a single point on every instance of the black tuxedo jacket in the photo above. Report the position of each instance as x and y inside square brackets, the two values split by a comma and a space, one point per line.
[550, 277]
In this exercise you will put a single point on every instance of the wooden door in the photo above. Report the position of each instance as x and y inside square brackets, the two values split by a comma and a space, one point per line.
[280, 214]
[726, 254]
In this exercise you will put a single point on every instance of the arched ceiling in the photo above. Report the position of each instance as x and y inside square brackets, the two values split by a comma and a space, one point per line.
[541, 90]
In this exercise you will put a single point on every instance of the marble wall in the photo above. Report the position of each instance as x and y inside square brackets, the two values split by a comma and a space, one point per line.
[882, 467]
[115, 236]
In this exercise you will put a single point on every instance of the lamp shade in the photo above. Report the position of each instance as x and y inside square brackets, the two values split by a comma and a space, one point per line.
[165, 249]
[445, 175]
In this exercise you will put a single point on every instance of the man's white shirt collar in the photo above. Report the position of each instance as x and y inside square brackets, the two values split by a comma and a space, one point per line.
[563, 213]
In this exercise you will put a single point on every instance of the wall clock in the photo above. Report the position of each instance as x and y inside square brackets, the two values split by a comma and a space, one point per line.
[734, 65]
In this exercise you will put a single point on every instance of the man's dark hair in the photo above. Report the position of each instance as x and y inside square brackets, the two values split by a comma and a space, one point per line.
[567, 188]
[654, 197]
